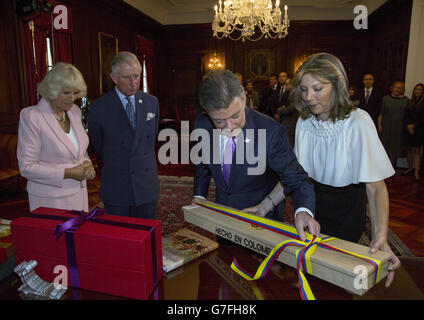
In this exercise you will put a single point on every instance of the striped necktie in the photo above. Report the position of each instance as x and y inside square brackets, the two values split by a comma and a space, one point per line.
[367, 96]
[129, 108]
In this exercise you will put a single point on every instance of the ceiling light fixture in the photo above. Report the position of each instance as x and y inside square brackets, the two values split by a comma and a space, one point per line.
[250, 19]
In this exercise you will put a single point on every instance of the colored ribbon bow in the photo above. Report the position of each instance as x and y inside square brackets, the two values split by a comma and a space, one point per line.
[74, 223]
[303, 255]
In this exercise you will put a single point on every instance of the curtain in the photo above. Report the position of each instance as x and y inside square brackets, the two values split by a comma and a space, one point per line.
[63, 47]
[29, 63]
[145, 49]
[40, 36]
[37, 66]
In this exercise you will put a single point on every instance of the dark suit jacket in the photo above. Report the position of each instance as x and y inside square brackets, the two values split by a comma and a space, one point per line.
[374, 103]
[282, 98]
[276, 99]
[129, 174]
[248, 190]
[268, 100]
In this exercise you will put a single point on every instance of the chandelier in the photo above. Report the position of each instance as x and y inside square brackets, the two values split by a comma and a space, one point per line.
[243, 16]
[214, 62]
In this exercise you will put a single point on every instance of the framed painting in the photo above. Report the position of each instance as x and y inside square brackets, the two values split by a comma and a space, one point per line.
[108, 48]
[260, 64]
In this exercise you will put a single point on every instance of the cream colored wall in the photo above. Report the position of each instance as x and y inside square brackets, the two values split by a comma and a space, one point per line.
[415, 60]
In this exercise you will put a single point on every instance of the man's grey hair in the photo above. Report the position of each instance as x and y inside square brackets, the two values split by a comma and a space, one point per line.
[123, 57]
[218, 89]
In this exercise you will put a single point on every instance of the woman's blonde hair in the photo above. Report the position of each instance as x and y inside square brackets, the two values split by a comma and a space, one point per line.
[62, 75]
[331, 70]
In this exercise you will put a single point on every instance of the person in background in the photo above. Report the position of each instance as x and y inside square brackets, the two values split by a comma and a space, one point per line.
[353, 96]
[288, 83]
[52, 143]
[414, 120]
[269, 96]
[285, 112]
[123, 125]
[370, 98]
[391, 121]
[252, 96]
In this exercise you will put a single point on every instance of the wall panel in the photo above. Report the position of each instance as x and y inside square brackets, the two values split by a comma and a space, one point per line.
[182, 51]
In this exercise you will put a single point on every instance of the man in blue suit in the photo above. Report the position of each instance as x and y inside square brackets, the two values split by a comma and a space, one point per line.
[123, 125]
[224, 100]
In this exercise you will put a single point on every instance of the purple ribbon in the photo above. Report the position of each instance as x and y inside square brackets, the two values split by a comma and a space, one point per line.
[76, 222]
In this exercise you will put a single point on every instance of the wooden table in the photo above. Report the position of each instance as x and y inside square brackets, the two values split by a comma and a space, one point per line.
[211, 278]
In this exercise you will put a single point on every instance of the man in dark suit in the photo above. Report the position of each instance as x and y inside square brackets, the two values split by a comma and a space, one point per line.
[123, 125]
[224, 100]
[370, 98]
[269, 96]
[283, 111]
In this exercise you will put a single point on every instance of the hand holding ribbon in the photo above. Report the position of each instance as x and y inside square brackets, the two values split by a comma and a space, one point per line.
[304, 220]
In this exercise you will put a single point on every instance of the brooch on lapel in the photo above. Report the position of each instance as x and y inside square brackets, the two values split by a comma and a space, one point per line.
[150, 116]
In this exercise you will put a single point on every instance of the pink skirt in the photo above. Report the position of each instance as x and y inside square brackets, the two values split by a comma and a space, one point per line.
[77, 201]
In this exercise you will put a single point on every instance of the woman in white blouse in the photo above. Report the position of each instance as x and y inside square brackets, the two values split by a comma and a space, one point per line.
[52, 143]
[339, 147]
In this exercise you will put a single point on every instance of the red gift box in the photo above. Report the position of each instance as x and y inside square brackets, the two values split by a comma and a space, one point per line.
[111, 254]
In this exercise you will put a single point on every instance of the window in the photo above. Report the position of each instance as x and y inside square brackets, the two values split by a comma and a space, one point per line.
[145, 86]
[49, 55]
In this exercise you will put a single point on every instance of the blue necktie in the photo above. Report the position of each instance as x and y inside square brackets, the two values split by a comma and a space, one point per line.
[131, 112]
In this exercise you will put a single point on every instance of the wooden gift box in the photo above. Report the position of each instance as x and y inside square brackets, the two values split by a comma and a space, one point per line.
[337, 268]
[115, 255]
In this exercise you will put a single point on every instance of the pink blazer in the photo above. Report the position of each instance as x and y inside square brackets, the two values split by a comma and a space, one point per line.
[44, 151]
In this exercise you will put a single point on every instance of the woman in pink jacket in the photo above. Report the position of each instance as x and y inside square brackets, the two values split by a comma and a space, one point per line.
[52, 143]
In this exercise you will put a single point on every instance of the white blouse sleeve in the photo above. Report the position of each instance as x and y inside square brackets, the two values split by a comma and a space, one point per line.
[370, 162]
